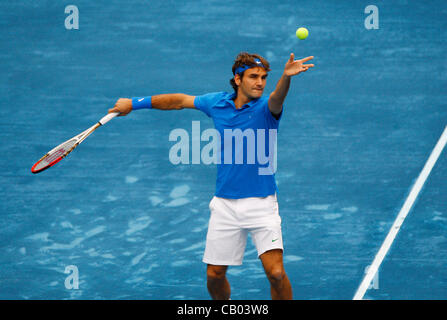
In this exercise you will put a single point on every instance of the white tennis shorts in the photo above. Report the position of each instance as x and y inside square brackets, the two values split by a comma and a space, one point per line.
[232, 220]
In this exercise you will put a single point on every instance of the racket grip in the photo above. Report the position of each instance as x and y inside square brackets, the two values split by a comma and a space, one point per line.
[108, 117]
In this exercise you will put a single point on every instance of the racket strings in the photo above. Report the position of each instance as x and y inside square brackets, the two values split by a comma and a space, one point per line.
[60, 151]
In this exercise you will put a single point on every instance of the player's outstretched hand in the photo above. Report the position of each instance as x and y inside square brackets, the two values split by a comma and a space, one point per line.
[294, 67]
[123, 106]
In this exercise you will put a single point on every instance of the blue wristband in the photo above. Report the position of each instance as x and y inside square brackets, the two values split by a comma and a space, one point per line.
[142, 103]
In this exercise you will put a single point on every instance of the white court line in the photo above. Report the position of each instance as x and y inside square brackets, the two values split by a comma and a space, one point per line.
[401, 216]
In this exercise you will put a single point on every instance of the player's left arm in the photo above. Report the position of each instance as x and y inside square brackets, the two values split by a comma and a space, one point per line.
[292, 68]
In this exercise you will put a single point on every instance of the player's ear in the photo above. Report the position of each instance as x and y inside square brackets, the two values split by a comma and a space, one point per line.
[237, 79]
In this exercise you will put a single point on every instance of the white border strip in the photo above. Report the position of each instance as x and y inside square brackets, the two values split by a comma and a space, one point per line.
[401, 216]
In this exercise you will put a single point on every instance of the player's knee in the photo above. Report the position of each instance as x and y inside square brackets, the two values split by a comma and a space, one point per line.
[276, 275]
[216, 273]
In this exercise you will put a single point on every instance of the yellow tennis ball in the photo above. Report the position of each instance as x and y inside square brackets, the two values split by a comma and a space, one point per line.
[302, 33]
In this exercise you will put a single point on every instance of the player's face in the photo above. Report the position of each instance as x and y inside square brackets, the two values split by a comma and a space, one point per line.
[253, 82]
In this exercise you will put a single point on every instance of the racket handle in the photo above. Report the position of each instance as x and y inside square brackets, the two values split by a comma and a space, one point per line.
[108, 117]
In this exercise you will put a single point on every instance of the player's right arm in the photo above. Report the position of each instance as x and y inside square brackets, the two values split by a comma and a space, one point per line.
[171, 101]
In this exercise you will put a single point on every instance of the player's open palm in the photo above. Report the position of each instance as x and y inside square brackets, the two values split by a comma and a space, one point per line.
[294, 67]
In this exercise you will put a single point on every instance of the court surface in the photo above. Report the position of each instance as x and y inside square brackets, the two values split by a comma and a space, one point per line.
[355, 134]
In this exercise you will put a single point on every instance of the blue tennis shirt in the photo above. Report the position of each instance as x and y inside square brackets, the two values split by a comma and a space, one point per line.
[247, 136]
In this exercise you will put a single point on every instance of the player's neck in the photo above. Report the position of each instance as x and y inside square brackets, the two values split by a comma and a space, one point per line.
[241, 99]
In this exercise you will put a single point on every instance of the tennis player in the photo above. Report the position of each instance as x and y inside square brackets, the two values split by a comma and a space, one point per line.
[245, 201]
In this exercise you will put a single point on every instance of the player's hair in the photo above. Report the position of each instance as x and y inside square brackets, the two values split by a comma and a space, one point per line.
[245, 58]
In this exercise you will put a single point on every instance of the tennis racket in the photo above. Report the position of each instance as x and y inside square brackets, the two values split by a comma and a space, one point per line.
[61, 151]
